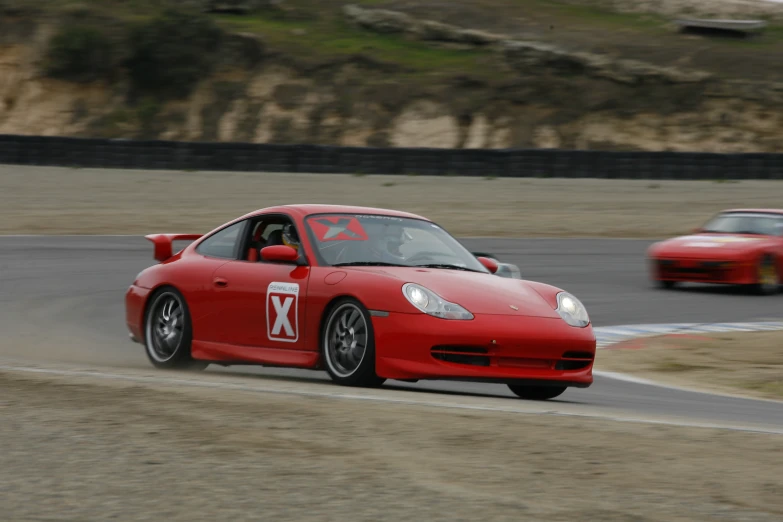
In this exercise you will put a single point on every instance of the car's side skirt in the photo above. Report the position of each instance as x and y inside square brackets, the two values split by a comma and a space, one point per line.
[227, 353]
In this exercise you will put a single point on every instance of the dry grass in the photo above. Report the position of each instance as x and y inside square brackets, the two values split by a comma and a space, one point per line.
[42, 200]
[117, 450]
[749, 363]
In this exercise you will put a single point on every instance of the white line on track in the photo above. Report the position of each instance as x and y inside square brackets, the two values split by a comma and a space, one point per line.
[609, 335]
[386, 399]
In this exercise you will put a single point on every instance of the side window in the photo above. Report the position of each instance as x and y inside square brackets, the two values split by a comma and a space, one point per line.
[271, 228]
[222, 244]
[266, 232]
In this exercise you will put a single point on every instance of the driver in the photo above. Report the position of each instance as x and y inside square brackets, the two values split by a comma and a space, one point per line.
[290, 237]
[387, 245]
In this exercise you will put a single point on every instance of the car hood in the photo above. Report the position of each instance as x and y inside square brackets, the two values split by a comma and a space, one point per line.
[708, 244]
[478, 293]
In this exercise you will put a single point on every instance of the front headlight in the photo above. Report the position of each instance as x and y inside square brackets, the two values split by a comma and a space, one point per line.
[432, 304]
[572, 310]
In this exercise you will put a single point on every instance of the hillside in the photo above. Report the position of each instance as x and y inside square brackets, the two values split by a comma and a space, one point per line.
[597, 74]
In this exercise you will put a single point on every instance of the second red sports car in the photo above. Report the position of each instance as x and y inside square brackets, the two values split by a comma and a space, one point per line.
[738, 246]
[365, 294]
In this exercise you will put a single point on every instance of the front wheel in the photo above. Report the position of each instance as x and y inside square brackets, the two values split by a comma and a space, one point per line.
[168, 333]
[348, 345]
[536, 393]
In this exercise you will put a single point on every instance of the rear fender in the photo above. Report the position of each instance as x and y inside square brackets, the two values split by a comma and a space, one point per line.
[163, 249]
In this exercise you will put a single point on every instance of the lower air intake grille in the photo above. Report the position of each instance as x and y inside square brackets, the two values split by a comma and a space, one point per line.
[472, 355]
[574, 361]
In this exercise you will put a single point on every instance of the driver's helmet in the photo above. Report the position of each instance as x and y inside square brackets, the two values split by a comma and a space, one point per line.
[390, 239]
[290, 237]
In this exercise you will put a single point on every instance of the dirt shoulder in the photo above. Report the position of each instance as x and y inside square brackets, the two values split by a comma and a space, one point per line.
[57, 200]
[746, 363]
[120, 450]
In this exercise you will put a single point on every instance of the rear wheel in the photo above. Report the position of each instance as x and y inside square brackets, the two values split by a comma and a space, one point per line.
[348, 345]
[666, 285]
[168, 333]
[536, 393]
[768, 278]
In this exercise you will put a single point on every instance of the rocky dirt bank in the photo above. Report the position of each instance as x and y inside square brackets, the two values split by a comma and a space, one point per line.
[521, 93]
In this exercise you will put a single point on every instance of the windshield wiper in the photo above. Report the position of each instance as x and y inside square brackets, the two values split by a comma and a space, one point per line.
[368, 263]
[446, 265]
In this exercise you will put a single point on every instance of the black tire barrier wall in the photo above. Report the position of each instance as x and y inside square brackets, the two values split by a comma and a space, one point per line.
[518, 163]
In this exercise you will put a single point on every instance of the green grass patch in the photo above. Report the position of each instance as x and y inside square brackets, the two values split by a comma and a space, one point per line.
[314, 32]
[332, 38]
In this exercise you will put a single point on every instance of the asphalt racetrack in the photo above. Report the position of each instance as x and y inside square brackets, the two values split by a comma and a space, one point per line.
[61, 301]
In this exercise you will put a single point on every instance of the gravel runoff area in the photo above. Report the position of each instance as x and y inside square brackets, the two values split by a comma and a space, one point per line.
[81, 448]
[58, 200]
[746, 363]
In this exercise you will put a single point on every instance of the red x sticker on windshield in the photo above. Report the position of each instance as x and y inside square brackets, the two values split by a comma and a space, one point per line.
[336, 228]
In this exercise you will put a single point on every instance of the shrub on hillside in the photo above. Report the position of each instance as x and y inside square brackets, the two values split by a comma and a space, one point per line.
[172, 52]
[80, 53]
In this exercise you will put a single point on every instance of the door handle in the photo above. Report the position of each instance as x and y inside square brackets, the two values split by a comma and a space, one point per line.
[220, 282]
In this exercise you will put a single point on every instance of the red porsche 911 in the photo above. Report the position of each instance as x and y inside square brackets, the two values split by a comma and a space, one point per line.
[738, 246]
[365, 294]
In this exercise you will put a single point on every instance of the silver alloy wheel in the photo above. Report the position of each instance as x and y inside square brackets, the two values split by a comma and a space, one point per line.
[345, 339]
[165, 327]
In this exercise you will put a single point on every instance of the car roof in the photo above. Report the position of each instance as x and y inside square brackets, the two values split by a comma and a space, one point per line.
[314, 208]
[754, 210]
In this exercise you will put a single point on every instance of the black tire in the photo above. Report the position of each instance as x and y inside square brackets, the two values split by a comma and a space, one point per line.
[768, 282]
[168, 311]
[346, 322]
[666, 285]
[536, 393]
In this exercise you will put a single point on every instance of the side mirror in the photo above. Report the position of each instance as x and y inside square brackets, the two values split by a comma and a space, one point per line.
[489, 264]
[280, 253]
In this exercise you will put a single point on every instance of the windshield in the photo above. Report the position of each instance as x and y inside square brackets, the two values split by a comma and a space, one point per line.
[745, 223]
[361, 239]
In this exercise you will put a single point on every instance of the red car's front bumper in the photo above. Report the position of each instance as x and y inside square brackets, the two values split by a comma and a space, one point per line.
[703, 271]
[489, 348]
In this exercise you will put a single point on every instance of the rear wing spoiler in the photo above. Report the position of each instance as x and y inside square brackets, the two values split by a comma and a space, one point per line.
[163, 243]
